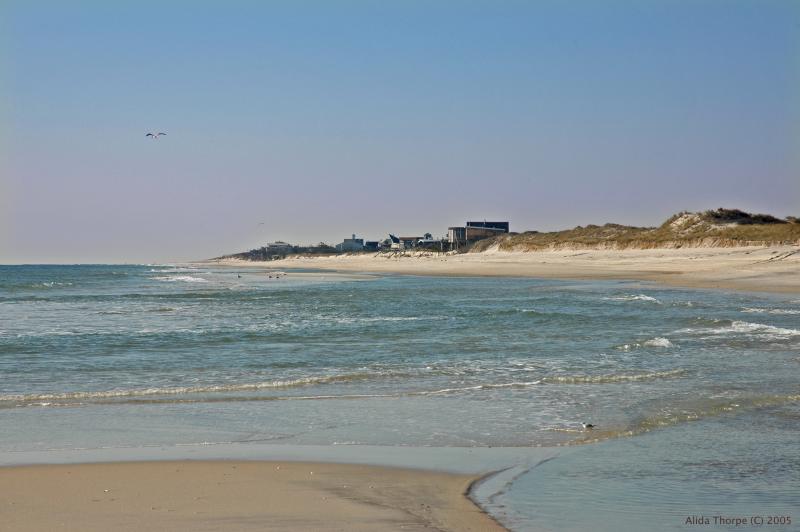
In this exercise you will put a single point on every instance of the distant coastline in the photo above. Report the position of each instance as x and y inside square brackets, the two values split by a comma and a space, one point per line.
[708, 229]
[725, 248]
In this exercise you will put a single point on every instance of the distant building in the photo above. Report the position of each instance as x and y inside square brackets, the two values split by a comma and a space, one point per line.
[473, 231]
[394, 242]
[490, 225]
[457, 235]
[278, 247]
[427, 241]
[351, 244]
[409, 241]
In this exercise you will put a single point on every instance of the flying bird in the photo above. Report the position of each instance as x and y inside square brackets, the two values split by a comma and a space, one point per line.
[155, 135]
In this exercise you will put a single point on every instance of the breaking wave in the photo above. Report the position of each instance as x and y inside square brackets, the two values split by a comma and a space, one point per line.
[784, 311]
[634, 297]
[653, 342]
[659, 342]
[185, 390]
[188, 394]
[612, 378]
[746, 327]
[184, 278]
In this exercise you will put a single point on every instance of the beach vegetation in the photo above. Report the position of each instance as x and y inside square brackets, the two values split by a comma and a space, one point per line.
[713, 228]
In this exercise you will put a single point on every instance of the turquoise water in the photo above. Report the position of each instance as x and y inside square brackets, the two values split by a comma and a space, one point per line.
[694, 394]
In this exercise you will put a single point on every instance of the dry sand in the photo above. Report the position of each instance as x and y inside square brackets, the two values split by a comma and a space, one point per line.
[234, 495]
[767, 269]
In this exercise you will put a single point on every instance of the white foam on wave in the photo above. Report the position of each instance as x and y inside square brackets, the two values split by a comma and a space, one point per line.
[350, 320]
[659, 342]
[612, 378]
[183, 390]
[183, 278]
[784, 311]
[479, 387]
[747, 328]
[634, 297]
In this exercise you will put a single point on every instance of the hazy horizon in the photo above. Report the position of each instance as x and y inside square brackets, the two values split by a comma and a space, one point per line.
[319, 120]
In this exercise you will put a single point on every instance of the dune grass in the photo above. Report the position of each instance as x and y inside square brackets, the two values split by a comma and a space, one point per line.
[721, 227]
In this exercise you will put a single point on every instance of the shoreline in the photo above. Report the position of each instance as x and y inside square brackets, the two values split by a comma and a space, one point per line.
[754, 269]
[237, 495]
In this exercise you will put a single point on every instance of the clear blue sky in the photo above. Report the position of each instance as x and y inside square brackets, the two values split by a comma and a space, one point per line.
[322, 119]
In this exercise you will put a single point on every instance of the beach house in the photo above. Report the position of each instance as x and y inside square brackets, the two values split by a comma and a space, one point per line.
[351, 244]
[474, 231]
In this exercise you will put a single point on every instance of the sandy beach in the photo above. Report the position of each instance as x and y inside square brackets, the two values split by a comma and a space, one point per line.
[766, 269]
[234, 495]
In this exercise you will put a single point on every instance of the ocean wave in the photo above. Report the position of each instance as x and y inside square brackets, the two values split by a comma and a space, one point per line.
[477, 387]
[783, 311]
[658, 342]
[185, 390]
[223, 393]
[634, 297]
[167, 269]
[355, 319]
[42, 285]
[746, 328]
[103, 333]
[184, 278]
[613, 377]
[53, 284]
[183, 395]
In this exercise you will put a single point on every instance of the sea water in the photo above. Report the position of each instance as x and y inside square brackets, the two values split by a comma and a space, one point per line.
[693, 393]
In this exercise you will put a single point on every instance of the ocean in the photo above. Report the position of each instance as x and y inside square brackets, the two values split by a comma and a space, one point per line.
[693, 393]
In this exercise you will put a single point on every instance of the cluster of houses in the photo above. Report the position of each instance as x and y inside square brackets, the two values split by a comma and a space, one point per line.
[456, 238]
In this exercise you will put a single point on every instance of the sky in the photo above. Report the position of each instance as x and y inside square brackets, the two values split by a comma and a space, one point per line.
[308, 121]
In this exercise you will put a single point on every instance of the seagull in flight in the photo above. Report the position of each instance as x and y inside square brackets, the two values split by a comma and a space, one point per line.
[155, 135]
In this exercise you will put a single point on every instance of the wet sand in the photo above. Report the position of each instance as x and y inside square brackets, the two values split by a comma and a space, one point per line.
[234, 495]
[761, 269]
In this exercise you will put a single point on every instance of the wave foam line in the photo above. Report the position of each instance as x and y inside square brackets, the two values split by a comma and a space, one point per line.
[477, 387]
[186, 390]
[658, 341]
[184, 278]
[783, 311]
[634, 297]
[151, 395]
[746, 327]
[612, 378]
